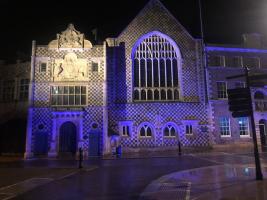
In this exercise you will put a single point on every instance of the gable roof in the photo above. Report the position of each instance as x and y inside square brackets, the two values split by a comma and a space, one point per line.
[154, 3]
[176, 10]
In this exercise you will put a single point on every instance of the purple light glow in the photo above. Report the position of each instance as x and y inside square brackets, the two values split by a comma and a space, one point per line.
[229, 49]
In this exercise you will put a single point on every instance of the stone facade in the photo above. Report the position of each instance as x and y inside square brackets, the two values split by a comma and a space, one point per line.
[86, 95]
[225, 61]
[14, 84]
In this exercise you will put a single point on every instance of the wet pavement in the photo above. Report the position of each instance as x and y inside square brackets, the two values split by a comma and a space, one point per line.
[113, 179]
[193, 176]
[216, 182]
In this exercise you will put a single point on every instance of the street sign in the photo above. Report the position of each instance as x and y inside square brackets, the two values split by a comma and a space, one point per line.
[236, 76]
[245, 113]
[239, 102]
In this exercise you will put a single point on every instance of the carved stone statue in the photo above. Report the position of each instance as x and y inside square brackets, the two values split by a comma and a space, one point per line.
[70, 68]
[70, 38]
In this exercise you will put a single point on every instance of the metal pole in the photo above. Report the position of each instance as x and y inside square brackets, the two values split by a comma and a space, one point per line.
[256, 152]
[80, 158]
[179, 148]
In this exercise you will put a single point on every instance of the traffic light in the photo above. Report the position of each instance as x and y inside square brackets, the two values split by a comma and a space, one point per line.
[239, 101]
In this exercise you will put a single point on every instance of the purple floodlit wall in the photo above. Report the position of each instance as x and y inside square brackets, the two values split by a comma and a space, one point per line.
[229, 62]
[111, 115]
[190, 109]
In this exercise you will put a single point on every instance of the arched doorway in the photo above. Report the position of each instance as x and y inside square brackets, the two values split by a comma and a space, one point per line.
[262, 126]
[68, 138]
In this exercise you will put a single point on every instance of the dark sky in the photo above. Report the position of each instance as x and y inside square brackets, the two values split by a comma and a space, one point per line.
[224, 20]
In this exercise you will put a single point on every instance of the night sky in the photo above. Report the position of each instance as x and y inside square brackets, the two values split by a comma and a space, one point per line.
[224, 20]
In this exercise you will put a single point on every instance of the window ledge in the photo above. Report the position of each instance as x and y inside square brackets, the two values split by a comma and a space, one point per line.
[226, 136]
[169, 137]
[189, 135]
[125, 136]
[245, 136]
[145, 137]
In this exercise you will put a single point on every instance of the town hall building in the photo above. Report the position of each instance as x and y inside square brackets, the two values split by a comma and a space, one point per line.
[150, 88]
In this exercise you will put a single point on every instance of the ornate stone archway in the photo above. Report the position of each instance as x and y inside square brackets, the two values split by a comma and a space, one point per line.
[59, 118]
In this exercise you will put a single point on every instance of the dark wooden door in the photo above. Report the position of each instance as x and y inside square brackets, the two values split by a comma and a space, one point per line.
[94, 144]
[67, 140]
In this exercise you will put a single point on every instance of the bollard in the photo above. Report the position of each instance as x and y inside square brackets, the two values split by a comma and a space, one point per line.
[179, 148]
[80, 158]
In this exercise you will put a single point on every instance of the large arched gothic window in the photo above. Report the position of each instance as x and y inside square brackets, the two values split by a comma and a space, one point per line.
[156, 60]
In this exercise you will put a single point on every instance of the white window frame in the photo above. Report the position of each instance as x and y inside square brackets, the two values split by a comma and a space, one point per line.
[75, 105]
[224, 92]
[98, 64]
[169, 126]
[40, 67]
[256, 58]
[225, 127]
[221, 60]
[123, 126]
[158, 47]
[247, 128]
[190, 126]
[190, 122]
[24, 89]
[243, 83]
[145, 124]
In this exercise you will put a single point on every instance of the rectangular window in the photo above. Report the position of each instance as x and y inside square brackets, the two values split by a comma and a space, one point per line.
[243, 126]
[233, 61]
[216, 61]
[251, 62]
[222, 90]
[8, 90]
[24, 89]
[240, 84]
[68, 95]
[125, 130]
[43, 67]
[188, 129]
[224, 126]
[94, 67]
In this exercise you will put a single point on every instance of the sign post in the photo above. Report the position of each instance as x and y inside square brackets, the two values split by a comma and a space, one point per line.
[240, 103]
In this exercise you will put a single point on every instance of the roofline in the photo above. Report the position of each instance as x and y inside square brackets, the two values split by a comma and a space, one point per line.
[235, 49]
[164, 7]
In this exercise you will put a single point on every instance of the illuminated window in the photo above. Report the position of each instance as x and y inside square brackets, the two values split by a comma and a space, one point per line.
[155, 69]
[222, 90]
[43, 67]
[24, 89]
[68, 95]
[188, 129]
[8, 90]
[243, 126]
[145, 130]
[224, 126]
[169, 131]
